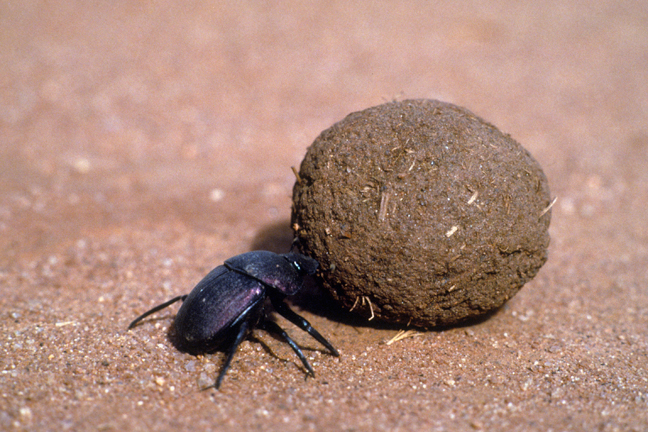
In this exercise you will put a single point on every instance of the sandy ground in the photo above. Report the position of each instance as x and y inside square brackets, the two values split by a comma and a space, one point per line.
[142, 143]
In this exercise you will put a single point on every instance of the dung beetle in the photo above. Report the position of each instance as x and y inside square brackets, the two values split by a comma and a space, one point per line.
[230, 301]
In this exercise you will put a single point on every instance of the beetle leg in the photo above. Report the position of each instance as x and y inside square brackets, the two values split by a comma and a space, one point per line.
[240, 335]
[155, 309]
[273, 327]
[294, 243]
[283, 310]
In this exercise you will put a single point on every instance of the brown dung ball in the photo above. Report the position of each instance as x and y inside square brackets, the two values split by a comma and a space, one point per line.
[421, 213]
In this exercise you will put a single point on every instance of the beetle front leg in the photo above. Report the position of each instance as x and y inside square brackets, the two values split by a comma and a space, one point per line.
[273, 327]
[283, 310]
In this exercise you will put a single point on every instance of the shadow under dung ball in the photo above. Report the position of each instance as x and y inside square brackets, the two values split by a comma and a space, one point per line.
[421, 213]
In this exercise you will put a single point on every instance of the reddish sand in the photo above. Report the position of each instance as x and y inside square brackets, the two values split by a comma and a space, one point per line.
[142, 143]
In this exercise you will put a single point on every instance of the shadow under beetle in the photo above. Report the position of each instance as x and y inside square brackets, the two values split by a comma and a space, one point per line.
[229, 302]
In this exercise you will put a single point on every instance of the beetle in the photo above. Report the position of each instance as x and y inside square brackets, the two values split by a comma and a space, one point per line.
[230, 301]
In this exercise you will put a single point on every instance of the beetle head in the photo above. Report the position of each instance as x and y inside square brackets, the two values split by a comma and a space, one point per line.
[303, 264]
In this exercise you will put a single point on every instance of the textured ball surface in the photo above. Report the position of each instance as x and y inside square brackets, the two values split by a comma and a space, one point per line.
[420, 212]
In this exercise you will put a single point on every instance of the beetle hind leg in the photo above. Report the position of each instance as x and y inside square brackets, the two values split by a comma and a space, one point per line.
[155, 309]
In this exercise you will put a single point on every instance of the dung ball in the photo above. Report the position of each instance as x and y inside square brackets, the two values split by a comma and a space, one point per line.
[421, 213]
